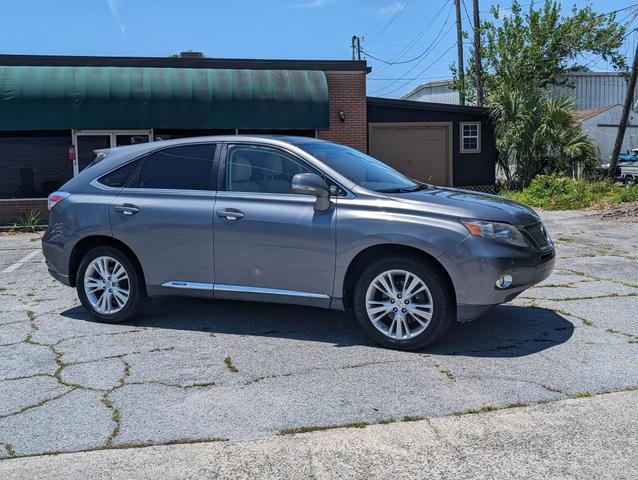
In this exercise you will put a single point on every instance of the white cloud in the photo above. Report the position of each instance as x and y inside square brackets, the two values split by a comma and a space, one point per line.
[114, 8]
[393, 8]
[312, 4]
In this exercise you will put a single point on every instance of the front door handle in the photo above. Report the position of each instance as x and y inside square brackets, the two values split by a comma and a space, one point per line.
[127, 209]
[230, 214]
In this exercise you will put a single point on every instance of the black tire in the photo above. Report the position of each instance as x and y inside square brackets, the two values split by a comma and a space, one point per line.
[135, 283]
[630, 181]
[443, 303]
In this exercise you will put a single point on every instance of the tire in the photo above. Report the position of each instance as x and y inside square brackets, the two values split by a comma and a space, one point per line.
[437, 293]
[630, 181]
[120, 310]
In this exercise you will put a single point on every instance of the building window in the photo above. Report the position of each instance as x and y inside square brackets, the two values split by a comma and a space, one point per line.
[33, 165]
[470, 137]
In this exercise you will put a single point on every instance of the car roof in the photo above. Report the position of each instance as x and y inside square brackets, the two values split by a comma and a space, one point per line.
[142, 148]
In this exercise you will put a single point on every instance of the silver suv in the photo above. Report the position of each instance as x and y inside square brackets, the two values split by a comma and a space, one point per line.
[289, 220]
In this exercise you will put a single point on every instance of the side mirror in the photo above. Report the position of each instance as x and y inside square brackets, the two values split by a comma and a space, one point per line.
[312, 184]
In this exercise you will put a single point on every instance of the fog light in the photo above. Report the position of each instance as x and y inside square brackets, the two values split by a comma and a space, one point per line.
[504, 282]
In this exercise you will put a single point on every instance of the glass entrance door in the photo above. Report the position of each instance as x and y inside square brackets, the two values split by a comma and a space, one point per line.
[87, 141]
[86, 146]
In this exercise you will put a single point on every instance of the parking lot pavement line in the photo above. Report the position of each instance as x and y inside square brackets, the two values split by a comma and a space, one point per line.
[22, 261]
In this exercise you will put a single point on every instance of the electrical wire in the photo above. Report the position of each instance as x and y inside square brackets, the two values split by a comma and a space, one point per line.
[418, 37]
[435, 42]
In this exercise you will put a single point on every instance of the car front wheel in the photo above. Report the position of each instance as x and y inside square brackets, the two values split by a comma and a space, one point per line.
[403, 303]
[109, 285]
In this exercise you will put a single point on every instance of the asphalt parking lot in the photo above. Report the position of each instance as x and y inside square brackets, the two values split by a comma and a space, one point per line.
[194, 370]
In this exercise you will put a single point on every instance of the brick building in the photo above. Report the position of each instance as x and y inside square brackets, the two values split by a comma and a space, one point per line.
[56, 110]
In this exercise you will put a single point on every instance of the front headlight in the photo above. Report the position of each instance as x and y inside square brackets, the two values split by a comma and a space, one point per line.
[498, 231]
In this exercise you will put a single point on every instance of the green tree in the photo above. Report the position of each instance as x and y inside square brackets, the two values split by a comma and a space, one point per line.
[522, 54]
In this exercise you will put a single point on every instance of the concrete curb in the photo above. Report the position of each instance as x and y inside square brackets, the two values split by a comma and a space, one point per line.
[591, 437]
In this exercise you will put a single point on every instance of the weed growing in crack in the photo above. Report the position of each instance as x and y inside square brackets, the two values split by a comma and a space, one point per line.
[230, 365]
[294, 431]
[10, 450]
[412, 418]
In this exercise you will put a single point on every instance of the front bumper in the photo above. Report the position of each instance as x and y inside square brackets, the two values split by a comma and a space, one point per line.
[476, 263]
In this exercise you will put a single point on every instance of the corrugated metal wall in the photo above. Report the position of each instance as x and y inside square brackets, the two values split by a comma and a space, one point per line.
[593, 90]
[435, 94]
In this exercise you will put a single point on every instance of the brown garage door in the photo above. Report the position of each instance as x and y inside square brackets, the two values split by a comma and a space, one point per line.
[419, 150]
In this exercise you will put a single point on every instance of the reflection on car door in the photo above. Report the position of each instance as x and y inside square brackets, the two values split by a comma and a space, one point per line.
[270, 244]
[165, 215]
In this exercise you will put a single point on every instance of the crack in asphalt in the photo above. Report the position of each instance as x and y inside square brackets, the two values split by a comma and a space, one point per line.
[525, 344]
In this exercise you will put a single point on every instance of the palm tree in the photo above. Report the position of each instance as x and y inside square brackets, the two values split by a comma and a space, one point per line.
[537, 134]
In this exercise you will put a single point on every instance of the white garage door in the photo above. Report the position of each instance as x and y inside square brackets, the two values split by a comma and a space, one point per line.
[419, 150]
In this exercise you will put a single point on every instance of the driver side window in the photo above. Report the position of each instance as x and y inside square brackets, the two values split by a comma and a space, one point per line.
[253, 168]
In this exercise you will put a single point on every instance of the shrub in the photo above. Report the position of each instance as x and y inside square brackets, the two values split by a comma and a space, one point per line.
[627, 194]
[553, 192]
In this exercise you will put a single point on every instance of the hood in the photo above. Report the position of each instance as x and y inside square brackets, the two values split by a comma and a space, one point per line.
[468, 204]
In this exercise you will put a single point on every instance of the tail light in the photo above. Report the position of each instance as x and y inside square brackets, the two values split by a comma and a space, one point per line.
[55, 198]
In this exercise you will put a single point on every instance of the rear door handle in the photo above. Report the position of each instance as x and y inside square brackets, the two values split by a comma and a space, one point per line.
[127, 209]
[230, 214]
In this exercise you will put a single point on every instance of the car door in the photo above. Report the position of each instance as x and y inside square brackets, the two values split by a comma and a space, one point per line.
[270, 244]
[165, 215]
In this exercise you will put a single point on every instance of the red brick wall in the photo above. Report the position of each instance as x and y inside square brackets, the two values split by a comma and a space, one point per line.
[347, 93]
[12, 210]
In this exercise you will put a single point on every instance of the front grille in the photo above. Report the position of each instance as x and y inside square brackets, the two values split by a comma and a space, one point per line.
[538, 235]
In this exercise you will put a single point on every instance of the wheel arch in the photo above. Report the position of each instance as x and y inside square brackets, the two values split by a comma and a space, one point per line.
[90, 242]
[368, 255]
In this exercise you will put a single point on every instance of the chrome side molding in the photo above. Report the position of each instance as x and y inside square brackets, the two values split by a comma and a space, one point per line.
[267, 291]
[241, 289]
[188, 285]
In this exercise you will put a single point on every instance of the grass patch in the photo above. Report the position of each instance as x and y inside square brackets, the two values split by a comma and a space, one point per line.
[230, 365]
[294, 431]
[490, 408]
[583, 395]
[552, 192]
[414, 418]
[386, 421]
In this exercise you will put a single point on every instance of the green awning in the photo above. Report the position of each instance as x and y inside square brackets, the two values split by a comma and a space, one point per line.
[56, 98]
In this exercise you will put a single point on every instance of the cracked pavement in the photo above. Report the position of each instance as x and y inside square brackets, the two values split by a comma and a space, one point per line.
[196, 370]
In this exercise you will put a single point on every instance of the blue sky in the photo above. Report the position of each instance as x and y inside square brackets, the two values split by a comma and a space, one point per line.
[306, 29]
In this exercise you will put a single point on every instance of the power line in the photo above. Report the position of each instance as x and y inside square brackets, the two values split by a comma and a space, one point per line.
[408, 47]
[435, 42]
[467, 16]
[422, 71]
[398, 8]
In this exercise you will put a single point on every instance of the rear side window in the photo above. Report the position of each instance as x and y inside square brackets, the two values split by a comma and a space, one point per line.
[118, 177]
[187, 167]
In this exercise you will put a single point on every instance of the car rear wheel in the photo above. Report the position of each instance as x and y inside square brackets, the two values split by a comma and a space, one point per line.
[403, 303]
[109, 285]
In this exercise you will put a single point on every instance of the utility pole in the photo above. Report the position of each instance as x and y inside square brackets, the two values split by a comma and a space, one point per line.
[478, 67]
[358, 48]
[459, 45]
[354, 46]
[629, 100]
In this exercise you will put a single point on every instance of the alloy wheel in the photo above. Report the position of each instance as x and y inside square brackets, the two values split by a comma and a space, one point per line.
[107, 285]
[399, 304]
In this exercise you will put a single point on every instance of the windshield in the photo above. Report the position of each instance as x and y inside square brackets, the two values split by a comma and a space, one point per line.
[362, 169]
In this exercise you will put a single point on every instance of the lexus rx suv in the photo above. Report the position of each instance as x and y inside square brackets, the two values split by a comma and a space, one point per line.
[289, 220]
